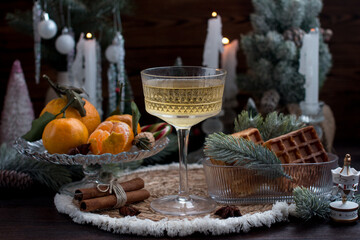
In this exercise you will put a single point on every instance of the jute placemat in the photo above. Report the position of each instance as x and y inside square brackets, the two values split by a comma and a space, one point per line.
[164, 180]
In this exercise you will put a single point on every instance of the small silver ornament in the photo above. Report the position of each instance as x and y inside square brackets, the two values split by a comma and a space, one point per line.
[65, 43]
[47, 27]
[112, 53]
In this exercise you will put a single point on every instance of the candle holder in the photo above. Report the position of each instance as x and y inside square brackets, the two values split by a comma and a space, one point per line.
[312, 114]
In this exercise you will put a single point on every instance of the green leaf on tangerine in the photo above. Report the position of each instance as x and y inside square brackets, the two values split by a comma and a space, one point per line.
[37, 127]
[135, 117]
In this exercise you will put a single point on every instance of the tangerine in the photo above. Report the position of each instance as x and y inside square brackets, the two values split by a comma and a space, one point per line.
[60, 135]
[126, 118]
[91, 120]
[111, 137]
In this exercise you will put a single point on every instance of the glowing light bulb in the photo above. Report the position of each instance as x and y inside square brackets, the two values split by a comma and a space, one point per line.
[214, 14]
[225, 40]
[89, 35]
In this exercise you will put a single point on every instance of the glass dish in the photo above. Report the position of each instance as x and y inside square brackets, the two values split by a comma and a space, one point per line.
[239, 185]
[37, 151]
[91, 163]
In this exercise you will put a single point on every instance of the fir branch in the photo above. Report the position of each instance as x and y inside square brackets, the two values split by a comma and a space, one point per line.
[274, 125]
[308, 205]
[51, 175]
[245, 121]
[241, 152]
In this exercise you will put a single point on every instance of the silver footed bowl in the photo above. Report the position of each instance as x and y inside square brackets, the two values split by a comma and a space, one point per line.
[37, 151]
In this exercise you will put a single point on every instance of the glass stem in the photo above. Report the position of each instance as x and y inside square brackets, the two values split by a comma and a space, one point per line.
[183, 139]
[91, 172]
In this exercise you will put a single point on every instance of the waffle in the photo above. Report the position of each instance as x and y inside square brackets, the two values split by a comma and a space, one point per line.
[251, 134]
[301, 146]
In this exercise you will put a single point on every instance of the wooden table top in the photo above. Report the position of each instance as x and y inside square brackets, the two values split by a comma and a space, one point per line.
[35, 217]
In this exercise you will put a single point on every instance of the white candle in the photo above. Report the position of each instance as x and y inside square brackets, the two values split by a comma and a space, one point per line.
[213, 45]
[309, 67]
[90, 69]
[229, 63]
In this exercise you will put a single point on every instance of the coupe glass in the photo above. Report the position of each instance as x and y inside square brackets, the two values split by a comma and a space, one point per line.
[183, 97]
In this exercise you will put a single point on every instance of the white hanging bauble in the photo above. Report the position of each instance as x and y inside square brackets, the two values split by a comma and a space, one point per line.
[112, 53]
[65, 43]
[47, 27]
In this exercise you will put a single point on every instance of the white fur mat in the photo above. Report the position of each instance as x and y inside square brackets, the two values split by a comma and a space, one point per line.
[174, 227]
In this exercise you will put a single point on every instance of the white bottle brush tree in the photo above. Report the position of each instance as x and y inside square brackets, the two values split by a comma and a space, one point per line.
[17, 113]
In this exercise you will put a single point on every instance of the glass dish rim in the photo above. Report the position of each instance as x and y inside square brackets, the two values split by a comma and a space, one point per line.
[22, 146]
[206, 161]
[223, 72]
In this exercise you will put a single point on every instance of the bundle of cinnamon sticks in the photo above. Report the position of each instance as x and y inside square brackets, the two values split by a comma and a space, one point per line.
[91, 199]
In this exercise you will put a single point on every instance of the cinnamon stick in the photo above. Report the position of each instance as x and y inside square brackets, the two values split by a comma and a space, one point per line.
[93, 204]
[128, 186]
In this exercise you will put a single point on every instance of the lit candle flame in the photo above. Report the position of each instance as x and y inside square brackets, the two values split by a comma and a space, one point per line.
[214, 14]
[89, 35]
[225, 40]
[313, 30]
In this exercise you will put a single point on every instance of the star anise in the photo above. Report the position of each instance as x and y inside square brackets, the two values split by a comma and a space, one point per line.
[128, 211]
[228, 211]
[81, 149]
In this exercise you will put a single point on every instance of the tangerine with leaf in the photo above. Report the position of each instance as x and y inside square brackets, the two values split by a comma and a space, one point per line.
[91, 120]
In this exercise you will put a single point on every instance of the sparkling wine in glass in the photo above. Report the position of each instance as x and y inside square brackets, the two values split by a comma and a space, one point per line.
[183, 97]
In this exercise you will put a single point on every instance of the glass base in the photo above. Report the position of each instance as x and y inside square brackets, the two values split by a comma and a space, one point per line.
[69, 189]
[181, 206]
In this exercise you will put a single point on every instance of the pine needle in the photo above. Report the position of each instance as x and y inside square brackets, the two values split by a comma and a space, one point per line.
[245, 121]
[48, 174]
[308, 205]
[241, 152]
[274, 125]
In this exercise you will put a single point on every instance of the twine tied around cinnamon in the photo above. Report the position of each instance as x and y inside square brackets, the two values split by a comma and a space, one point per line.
[114, 186]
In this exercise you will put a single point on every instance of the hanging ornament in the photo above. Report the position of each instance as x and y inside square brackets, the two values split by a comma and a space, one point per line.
[70, 60]
[115, 54]
[71, 54]
[47, 27]
[99, 97]
[65, 42]
[37, 39]
[18, 113]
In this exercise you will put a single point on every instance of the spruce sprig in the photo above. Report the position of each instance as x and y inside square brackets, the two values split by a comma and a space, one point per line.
[245, 121]
[274, 125]
[308, 205]
[241, 152]
[51, 175]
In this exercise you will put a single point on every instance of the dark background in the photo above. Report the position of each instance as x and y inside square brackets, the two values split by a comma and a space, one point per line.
[160, 30]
